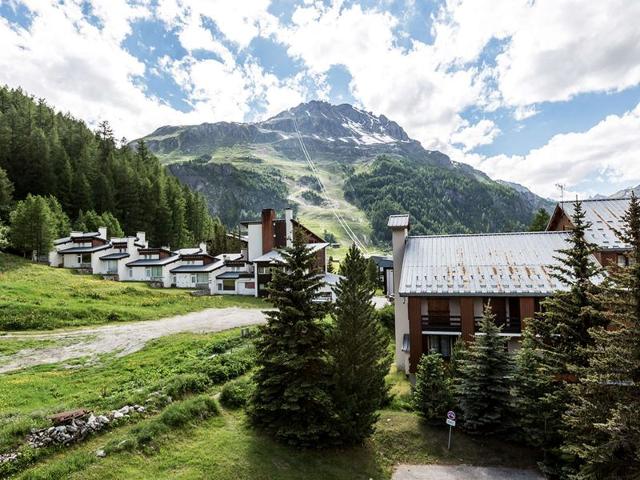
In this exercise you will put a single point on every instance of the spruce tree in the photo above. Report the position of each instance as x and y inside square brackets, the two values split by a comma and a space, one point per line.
[358, 352]
[540, 221]
[533, 401]
[6, 195]
[484, 381]
[432, 396]
[292, 399]
[562, 334]
[603, 416]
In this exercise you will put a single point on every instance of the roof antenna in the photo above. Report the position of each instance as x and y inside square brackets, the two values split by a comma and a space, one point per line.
[561, 186]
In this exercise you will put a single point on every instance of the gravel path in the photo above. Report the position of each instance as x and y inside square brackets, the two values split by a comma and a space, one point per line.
[462, 472]
[123, 338]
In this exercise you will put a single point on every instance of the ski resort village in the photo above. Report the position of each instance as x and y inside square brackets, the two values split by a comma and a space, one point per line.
[319, 240]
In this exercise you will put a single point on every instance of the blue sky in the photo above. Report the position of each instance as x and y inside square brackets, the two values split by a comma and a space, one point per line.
[539, 93]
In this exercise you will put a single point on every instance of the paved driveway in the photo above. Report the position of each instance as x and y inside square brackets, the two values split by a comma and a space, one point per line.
[462, 472]
[124, 338]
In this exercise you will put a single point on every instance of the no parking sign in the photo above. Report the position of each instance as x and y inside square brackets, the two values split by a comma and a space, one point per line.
[451, 421]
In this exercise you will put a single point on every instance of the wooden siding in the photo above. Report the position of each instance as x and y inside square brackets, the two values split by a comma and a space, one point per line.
[415, 333]
[467, 321]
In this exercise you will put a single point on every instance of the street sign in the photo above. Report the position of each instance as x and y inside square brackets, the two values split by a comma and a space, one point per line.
[451, 421]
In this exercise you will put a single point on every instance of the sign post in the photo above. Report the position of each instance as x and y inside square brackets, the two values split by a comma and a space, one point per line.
[451, 421]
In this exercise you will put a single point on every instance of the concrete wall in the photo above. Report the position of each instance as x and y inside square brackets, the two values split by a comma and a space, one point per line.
[255, 241]
[400, 304]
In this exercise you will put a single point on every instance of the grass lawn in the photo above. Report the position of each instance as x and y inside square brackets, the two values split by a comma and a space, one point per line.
[222, 447]
[226, 448]
[38, 297]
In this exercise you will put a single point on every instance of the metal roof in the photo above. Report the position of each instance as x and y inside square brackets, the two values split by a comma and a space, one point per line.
[84, 249]
[398, 221]
[190, 251]
[229, 256]
[115, 256]
[274, 256]
[383, 261]
[151, 262]
[209, 267]
[605, 215]
[499, 264]
[234, 275]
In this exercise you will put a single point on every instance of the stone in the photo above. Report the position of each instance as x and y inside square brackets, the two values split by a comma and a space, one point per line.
[101, 453]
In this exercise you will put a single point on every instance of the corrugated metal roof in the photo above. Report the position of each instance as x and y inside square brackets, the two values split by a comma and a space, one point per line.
[509, 264]
[234, 275]
[398, 221]
[605, 215]
[274, 256]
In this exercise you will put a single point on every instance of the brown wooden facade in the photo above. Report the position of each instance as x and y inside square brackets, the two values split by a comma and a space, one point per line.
[441, 322]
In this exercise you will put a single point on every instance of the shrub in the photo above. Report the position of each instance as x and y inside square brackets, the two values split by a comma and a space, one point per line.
[230, 365]
[236, 393]
[386, 316]
[432, 391]
[184, 384]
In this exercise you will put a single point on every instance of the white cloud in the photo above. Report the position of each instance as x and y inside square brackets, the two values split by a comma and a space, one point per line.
[471, 136]
[605, 155]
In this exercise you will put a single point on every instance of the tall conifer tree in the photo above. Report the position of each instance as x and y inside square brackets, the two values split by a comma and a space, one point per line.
[292, 399]
[358, 350]
[603, 416]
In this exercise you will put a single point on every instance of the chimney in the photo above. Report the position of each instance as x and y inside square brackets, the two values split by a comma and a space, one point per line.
[142, 238]
[268, 217]
[288, 221]
[399, 225]
[203, 247]
[102, 232]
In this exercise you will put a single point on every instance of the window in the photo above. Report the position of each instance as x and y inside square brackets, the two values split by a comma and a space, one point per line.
[156, 272]
[202, 278]
[79, 259]
[130, 272]
[193, 278]
[441, 344]
[219, 286]
[623, 261]
[250, 285]
[147, 272]
[228, 285]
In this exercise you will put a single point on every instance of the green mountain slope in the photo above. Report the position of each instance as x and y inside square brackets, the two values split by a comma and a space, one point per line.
[343, 143]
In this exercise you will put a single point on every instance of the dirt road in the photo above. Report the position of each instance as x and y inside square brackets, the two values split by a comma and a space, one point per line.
[122, 338]
[462, 472]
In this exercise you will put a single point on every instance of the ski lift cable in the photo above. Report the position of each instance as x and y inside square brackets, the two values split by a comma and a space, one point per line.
[341, 220]
[350, 233]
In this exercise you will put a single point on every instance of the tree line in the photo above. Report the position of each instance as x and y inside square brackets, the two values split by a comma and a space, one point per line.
[573, 389]
[91, 178]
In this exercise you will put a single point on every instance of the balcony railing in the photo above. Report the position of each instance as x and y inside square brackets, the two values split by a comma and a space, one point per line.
[441, 323]
[85, 265]
[508, 324]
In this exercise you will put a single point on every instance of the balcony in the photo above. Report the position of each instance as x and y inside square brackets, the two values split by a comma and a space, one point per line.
[441, 323]
[509, 324]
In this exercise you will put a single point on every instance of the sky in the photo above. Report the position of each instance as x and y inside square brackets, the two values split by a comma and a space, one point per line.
[542, 93]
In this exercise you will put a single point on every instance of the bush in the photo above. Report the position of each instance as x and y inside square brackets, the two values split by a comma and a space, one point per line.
[236, 393]
[386, 315]
[230, 365]
[174, 416]
[184, 384]
[432, 391]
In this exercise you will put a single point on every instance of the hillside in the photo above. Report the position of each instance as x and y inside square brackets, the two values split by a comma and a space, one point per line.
[342, 141]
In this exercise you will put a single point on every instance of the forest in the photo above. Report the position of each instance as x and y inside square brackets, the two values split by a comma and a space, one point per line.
[439, 200]
[93, 175]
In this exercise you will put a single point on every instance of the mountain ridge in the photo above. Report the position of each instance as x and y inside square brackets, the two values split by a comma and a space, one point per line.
[342, 141]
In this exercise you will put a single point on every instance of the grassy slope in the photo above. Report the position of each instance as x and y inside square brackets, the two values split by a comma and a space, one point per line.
[227, 448]
[221, 448]
[41, 297]
[317, 218]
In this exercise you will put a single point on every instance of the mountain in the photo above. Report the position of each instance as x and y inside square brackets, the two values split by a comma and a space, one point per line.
[534, 200]
[237, 163]
[626, 192]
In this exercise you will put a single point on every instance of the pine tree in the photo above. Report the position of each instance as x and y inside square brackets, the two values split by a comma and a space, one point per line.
[432, 396]
[32, 226]
[484, 381]
[60, 224]
[540, 221]
[292, 399]
[358, 351]
[6, 195]
[536, 412]
[602, 417]
[562, 334]
[372, 273]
